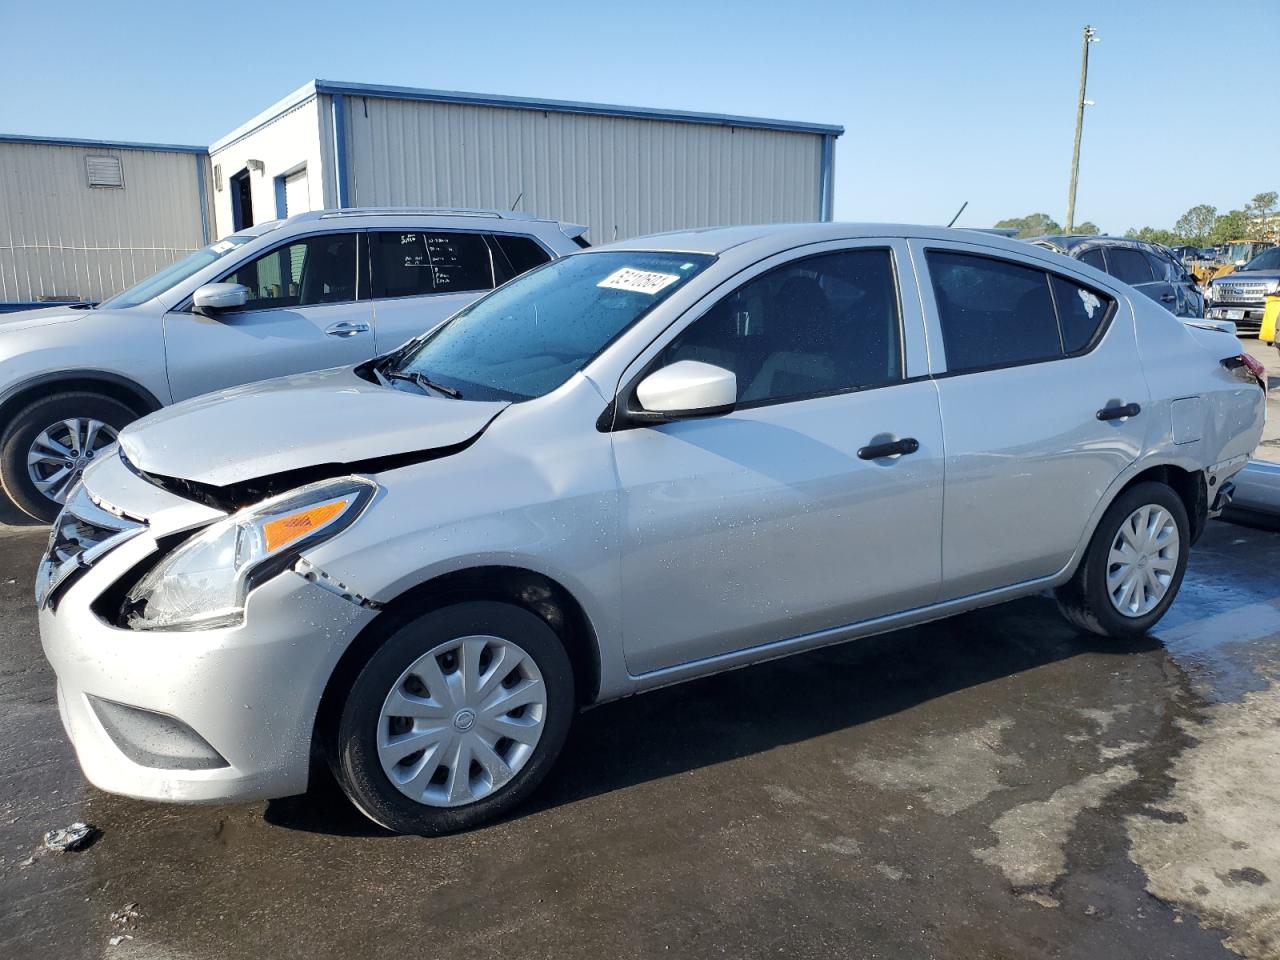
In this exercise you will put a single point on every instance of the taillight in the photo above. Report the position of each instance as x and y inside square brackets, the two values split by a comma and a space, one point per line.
[1247, 368]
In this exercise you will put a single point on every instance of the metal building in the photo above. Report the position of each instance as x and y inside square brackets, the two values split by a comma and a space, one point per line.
[82, 219]
[623, 170]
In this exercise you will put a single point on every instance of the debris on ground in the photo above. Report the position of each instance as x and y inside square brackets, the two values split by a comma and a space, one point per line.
[77, 836]
[124, 920]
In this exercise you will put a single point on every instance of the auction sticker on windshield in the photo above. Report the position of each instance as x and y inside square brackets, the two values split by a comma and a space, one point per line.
[638, 281]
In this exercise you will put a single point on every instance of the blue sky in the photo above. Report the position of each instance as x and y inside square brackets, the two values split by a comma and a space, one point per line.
[942, 102]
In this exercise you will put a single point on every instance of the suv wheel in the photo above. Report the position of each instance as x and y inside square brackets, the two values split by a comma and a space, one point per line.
[46, 447]
[1134, 565]
[455, 719]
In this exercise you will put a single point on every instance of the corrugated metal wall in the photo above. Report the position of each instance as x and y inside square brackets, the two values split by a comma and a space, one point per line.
[61, 237]
[622, 176]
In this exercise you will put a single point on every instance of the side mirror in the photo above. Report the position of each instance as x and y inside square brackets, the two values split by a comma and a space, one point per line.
[213, 297]
[683, 390]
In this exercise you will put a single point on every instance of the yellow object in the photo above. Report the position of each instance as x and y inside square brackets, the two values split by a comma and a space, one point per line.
[1270, 316]
[285, 530]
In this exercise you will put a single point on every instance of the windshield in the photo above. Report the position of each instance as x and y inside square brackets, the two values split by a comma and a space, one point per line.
[1266, 260]
[531, 335]
[173, 274]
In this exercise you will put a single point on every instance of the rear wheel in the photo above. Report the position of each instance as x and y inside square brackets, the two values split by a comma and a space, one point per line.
[455, 719]
[47, 446]
[1134, 565]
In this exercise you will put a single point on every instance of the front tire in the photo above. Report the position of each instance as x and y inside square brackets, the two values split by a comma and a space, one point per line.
[455, 719]
[1133, 566]
[45, 448]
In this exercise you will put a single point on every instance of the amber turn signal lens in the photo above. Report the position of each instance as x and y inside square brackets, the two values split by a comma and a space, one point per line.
[284, 530]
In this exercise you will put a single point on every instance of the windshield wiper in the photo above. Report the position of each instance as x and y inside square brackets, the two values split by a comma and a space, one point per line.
[423, 381]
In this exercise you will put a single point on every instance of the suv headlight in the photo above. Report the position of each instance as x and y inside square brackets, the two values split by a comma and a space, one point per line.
[203, 583]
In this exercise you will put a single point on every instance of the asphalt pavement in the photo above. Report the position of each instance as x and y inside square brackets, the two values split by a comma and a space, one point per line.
[989, 786]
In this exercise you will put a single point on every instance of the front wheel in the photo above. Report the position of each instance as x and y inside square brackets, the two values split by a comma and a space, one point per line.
[1134, 565]
[455, 719]
[46, 447]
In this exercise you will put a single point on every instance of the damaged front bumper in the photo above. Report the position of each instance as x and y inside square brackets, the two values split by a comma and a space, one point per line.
[191, 715]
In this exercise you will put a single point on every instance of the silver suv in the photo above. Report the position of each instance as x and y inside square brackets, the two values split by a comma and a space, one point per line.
[632, 466]
[318, 290]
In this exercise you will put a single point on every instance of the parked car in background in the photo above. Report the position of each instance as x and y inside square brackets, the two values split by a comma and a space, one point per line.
[632, 466]
[318, 290]
[1147, 267]
[1256, 501]
[1241, 296]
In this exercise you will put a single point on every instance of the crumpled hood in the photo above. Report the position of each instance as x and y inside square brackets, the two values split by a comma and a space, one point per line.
[326, 417]
[40, 317]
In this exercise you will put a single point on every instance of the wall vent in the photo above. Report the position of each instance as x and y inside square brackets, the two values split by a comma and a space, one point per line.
[104, 171]
[217, 177]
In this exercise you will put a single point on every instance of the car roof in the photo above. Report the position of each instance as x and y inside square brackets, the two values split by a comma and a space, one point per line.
[1077, 241]
[781, 236]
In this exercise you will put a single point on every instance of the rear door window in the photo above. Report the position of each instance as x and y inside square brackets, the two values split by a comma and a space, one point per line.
[415, 264]
[518, 254]
[993, 312]
[1128, 265]
[1161, 268]
[996, 313]
[1094, 259]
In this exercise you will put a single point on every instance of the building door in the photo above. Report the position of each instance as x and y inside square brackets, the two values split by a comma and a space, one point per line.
[241, 201]
[297, 199]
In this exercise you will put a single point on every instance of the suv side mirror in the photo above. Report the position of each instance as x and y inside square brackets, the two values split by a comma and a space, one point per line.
[213, 297]
[683, 390]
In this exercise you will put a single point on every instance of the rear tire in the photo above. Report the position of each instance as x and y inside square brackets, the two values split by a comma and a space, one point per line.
[45, 418]
[1133, 567]
[416, 705]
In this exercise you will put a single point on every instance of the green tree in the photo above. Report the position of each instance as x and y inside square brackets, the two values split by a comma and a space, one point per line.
[1153, 235]
[1087, 229]
[1261, 211]
[1032, 225]
[1194, 226]
[1232, 225]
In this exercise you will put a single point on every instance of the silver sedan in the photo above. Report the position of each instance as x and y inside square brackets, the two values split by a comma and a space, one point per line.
[633, 466]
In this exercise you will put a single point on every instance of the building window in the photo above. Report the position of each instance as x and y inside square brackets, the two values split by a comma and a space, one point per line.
[104, 171]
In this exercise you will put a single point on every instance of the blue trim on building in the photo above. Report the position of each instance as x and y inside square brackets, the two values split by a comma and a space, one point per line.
[567, 106]
[826, 175]
[204, 199]
[105, 144]
[340, 148]
[282, 209]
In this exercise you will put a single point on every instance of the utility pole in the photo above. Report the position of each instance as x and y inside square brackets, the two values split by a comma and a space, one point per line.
[1089, 37]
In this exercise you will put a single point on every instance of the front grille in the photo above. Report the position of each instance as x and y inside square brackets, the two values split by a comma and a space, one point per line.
[82, 534]
[1241, 292]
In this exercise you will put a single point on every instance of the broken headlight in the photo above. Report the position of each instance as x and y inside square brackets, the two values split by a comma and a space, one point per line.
[203, 583]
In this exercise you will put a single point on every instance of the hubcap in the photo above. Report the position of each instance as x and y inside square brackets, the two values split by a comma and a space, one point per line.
[62, 450]
[1143, 558]
[462, 720]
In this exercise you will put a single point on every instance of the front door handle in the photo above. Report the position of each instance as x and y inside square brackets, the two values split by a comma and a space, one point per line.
[1120, 412]
[891, 448]
[345, 328]
[1169, 298]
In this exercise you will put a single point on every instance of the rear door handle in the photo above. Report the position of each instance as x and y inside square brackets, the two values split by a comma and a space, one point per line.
[345, 328]
[891, 448]
[1120, 412]
[1169, 298]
